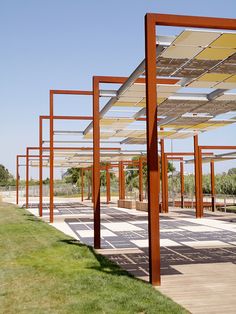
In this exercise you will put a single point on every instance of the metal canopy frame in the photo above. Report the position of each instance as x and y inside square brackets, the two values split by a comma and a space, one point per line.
[151, 21]
[180, 115]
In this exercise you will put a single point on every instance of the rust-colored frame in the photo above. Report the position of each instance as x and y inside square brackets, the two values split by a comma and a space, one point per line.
[200, 149]
[151, 21]
[41, 119]
[51, 132]
[97, 80]
[27, 157]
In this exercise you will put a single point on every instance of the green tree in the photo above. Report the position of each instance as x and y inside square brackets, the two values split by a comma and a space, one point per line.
[132, 175]
[232, 171]
[5, 177]
[72, 175]
[103, 179]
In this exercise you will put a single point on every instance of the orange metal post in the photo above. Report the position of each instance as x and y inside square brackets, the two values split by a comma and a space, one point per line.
[51, 153]
[17, 179]
[51, 142]
[212, 164]
[163, 176]
[196, 169]
[96, 139]
[96, 163]
[200, 182]
[151, 20]
[92, 184]
[152, 151]
[108, 184]
[40, 167]
[27, 179]
[140, 179]
[120, 179]
[182, 183]
[82, 184]
[166, 197]
[26, 156]
[89, 184]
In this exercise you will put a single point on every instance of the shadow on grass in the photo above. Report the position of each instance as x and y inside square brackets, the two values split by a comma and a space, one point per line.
[105, 265]
[33, 218]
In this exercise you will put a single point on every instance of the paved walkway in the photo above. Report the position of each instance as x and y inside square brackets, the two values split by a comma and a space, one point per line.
[198, 256]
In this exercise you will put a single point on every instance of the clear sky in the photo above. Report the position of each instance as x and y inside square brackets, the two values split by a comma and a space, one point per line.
[61, 44]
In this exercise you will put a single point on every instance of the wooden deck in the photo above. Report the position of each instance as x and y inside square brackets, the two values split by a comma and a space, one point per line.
[203, 288]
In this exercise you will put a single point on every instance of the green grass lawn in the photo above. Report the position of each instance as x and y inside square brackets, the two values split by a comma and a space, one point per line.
[229, 209]
[44, 271]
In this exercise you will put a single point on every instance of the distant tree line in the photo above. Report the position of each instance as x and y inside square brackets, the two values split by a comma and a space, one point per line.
[225, 183]
[73, 175]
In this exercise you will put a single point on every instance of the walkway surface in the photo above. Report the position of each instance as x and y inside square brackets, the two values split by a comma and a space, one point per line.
[198, 256]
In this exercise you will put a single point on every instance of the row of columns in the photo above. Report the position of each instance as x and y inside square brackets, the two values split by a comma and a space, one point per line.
[164, 180]
[121, 181]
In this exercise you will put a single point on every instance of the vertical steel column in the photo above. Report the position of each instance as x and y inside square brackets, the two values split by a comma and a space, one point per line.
[17, 179]
[89, 184]
[96, 164]
[82, 184]
[140, 179]
[40, 166]
[120, 179]
[166, 198]
[51, 154]
[196, 169]
[27, 179]
[108, 184]
[182, 182]
[152, 151]
[212, 164]
[92, 184]
[163, 177]
[200, 182]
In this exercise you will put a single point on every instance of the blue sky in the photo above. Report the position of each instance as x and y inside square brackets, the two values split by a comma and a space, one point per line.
[61, 44]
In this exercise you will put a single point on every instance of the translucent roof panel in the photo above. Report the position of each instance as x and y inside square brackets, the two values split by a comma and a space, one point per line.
[203, 63]
[196, 38]
[180, 52]
[225, 41]
[215, 54]
[214, 77]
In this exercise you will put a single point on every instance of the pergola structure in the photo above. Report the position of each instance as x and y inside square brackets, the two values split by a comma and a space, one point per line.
[181, 88]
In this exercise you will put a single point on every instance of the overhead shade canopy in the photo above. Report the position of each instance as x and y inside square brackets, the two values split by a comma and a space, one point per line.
[200, 66]
[197, 59]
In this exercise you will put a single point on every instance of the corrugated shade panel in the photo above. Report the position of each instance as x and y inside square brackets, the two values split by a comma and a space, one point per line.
[131, 133]
[225, 85]
[225, 41]
[115, 123]
[173, 107]
[167, 66]
[139, 91]
[195, 38]
[215, 54]
[125, 104]
[227, 97]
[181, 135]
[215, 107]
[202, 84]
[103, 135]
[214, 77]
[181, 52]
